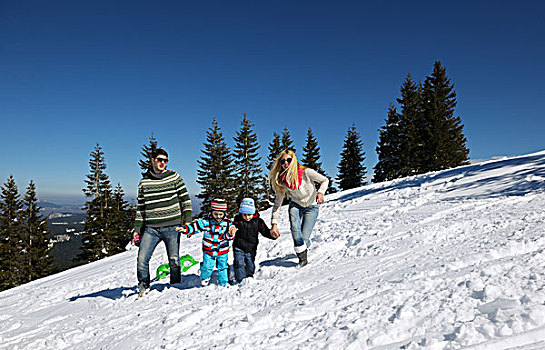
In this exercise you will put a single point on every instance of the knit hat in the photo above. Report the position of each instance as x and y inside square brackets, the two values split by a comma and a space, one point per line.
[218, 205]
[247, 206]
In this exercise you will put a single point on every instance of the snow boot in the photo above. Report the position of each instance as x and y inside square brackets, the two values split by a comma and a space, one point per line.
[143, 288]
[143, 292]
[205, 283]
[302, 258]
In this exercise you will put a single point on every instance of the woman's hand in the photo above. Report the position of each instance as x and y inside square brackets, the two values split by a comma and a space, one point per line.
[320, 198]
[274, 231]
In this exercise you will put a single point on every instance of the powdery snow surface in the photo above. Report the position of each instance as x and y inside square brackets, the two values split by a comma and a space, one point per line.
[447, 260]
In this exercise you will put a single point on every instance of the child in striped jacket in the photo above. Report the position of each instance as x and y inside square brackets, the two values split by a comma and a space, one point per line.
[217, 231]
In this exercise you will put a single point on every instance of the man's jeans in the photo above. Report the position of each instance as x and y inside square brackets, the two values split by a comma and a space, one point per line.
[244, 264]
[302, 222]
[151, 238]
[208, 264]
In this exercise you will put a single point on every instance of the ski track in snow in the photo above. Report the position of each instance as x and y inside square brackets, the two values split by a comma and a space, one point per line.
[446, 260]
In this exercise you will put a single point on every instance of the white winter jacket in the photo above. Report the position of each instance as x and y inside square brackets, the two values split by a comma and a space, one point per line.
[305, 195]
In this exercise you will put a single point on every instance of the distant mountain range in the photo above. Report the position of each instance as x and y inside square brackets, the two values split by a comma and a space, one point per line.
[49, 207]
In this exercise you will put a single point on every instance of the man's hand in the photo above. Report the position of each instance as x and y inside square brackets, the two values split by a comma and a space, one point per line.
[136, 238]
[182, 229]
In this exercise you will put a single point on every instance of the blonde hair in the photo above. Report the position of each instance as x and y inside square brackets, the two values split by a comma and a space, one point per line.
[291, 173]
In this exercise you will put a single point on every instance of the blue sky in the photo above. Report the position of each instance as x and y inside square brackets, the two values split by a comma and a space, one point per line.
[74, 73]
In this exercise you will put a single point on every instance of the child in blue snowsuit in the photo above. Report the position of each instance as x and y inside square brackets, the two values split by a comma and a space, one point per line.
[215, 241]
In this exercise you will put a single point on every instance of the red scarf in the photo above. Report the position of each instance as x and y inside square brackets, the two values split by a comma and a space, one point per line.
[296, 186]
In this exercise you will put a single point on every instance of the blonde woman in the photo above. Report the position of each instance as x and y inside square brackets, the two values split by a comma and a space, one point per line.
[292, 180]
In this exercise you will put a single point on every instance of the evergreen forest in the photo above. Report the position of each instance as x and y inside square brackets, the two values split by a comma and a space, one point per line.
[421, 133]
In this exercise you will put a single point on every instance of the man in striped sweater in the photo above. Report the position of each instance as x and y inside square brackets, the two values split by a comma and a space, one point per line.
[163, 204]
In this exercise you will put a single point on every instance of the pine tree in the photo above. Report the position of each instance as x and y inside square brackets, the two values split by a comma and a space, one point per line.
[215, 173]
[97, 181]
[248, 173]
[275, 147]
[351, 169]
[442, 133]
[399, 149]
[146, 152]
[287, 143]
[99, 192]
[425, 136]
[311, 153]
[274, 150]
[311, 158]
[11, 227]
[267, 200]
[121, 222]
[389, 148]
[94, 238]
[410, 146]
[38, 258]
[109, 222]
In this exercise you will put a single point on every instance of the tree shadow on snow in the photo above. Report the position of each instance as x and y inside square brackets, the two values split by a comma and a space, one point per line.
[281, 262]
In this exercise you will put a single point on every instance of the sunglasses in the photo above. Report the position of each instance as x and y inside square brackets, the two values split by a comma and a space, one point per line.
[286, 160]
[164, 160]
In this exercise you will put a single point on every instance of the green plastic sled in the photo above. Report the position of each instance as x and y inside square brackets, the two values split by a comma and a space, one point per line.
[186, 262]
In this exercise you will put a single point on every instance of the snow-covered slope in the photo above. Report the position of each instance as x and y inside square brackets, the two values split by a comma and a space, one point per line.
[447, 260]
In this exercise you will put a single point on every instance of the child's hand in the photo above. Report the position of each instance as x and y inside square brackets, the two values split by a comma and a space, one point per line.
[184, 229]
[232, 230]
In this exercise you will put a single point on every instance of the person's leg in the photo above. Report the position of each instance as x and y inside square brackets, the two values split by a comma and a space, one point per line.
[149, 242]
[207, 266]
[295, 226]
[238, 261]
[223, 277]
[172, 243]
[300, 246]
[310, 214]
[250, 263]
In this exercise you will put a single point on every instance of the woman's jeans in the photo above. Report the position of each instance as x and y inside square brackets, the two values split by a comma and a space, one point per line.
[302, 220]
[151, 238]
[244, 264]
[208, 264]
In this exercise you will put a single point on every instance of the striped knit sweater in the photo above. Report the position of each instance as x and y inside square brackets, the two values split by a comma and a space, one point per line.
[215, 238]
[163, 201]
